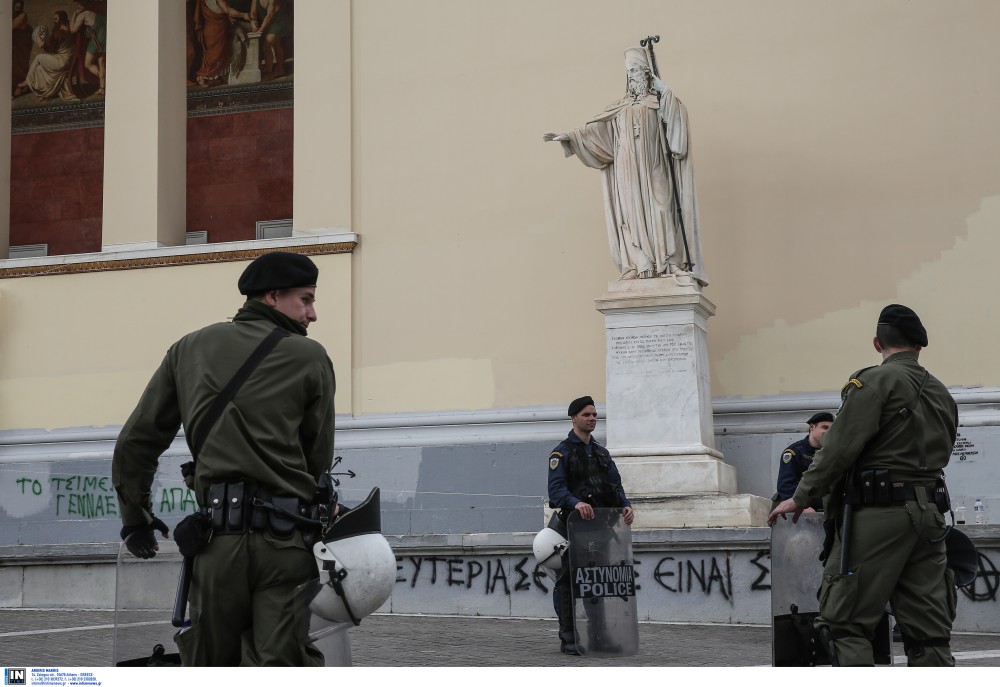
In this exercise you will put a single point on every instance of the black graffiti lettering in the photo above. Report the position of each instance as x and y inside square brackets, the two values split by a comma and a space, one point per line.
[659, 574]
[765, 571]
[635, 563]
[470, 575]
[990, 576]
[715, 575]
[417, 562]
[500, 574]
[538, 576]
[455, 568]
[399, 568]
[696, 574]
[522, 577]
[434, 567]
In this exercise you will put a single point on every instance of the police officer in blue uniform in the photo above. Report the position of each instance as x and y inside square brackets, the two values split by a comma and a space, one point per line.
[797, 458]
[582, 476]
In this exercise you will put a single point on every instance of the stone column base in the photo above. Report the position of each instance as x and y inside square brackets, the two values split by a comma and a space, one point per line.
[700, 510]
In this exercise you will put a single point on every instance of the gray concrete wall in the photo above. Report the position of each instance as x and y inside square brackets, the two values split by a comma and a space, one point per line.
[706, 575]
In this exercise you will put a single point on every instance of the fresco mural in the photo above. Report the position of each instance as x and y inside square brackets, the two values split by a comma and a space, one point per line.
[59, 52]
[238, 42]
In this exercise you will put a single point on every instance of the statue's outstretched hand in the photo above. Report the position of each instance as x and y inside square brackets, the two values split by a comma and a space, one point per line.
[555, 137]
[659, 86]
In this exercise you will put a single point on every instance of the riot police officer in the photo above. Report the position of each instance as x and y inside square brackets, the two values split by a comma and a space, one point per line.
[885, 454]
[582, 476]
[797, 458]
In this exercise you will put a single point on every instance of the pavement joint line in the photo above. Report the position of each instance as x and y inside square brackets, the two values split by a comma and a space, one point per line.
[25, 633]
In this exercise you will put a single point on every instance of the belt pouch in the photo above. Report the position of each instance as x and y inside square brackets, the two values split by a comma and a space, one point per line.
[942, 499]
[234, 513]
[883, 487]
[868, 496]
[217, 502]
[279, 525]
[258, 515]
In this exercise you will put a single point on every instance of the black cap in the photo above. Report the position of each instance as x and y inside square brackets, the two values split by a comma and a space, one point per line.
[579, 404]
[906, 321]
[820, 417]
[277, 270]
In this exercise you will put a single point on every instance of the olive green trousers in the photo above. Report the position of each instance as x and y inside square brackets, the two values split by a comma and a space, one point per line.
[242, 604]
[891, 559]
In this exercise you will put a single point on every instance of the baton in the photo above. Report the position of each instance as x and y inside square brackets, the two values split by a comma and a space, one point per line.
[183, 587]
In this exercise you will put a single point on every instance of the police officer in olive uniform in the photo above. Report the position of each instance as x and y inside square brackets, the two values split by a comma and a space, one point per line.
[797, 458]
[884, 456]
[271, 442]
[582, 476]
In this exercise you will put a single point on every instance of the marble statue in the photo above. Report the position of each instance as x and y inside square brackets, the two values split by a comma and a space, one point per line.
[642, 146]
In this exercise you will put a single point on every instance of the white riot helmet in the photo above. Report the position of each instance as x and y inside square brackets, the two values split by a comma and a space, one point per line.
[357, 568]
[549, 547]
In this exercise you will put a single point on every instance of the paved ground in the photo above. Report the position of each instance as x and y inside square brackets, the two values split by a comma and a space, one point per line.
[41, 638]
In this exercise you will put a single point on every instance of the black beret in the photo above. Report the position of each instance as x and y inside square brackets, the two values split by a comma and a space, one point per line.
[906, 321]
[579, 404]
[277, 270]
[820, 417]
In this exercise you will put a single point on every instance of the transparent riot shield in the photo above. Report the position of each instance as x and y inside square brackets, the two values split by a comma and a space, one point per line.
[329, 637]
[602, 581]
[796, 575]
[144, 598]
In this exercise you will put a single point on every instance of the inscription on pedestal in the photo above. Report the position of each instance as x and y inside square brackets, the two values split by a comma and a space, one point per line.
[671, 350]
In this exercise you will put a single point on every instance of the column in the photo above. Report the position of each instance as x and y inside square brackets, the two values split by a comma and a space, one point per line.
[145, 126]
[5, 88]
[321, 196]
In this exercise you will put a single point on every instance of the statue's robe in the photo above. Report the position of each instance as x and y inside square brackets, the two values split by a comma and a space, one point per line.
[627, 143]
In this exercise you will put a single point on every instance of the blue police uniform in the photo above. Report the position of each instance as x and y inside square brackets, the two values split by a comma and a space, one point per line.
[795, 460]
[566, 477]
[579, 472]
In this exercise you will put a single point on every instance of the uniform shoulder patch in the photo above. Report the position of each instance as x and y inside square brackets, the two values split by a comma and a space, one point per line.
[554, 458]
[787, 455]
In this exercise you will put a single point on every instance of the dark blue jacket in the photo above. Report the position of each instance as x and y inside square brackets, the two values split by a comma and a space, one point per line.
[795, 460]
[569, 469]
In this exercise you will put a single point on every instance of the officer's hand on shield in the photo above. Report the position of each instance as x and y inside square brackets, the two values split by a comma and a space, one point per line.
[628, 515]
[140, 540]
[586, 511]
[786, 506]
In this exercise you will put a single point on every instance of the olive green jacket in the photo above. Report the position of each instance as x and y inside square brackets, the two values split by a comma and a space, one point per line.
[277, 432]
[868, 432]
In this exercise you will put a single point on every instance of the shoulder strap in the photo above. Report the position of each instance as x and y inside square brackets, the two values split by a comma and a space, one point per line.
[227, 394]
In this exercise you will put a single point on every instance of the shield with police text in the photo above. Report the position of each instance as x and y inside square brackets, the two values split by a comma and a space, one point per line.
[796, 575]
[602, 580]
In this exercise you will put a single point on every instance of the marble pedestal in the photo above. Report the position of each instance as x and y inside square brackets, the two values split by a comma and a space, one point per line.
[659, 408]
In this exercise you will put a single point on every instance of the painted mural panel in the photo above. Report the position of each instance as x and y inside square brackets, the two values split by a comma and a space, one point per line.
[238, 42]
[59, 51]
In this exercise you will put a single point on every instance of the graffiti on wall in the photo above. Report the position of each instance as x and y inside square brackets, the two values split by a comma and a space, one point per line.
[86, 497]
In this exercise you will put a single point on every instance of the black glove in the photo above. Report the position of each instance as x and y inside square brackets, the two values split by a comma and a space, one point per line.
[140, 540]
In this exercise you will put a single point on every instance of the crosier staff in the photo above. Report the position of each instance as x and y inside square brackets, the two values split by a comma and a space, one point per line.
[647, 43]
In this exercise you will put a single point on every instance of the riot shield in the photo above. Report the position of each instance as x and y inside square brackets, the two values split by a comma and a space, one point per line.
[796, 575]
[602, 581]
[144, 599]
[330, 637]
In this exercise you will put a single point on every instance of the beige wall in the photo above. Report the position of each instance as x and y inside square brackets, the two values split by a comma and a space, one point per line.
[845, 157]
[77, 350]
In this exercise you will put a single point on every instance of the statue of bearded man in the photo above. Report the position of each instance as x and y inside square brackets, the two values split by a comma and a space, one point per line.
[634, 143]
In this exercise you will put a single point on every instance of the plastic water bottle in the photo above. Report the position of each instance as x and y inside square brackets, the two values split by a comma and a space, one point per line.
[980, 512]
[960, 515]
